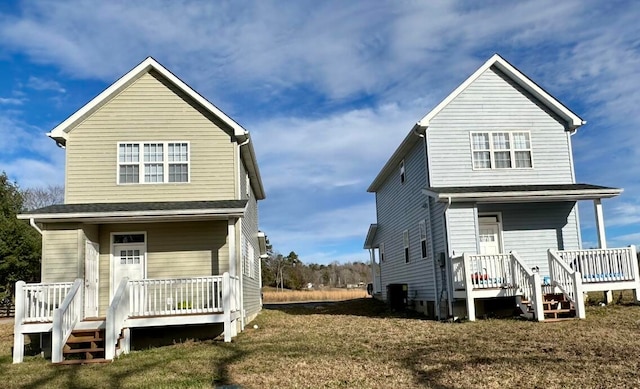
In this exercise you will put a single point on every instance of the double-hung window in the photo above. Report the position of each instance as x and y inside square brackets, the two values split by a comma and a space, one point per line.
[501, 150]
[424, 241]
[381, 252]
[153, 162]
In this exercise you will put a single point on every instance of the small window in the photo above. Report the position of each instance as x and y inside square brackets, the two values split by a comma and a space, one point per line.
[423, 238]
[381, 252]
[405, 243]
[402, 175]
[128, 238]
[248, 185]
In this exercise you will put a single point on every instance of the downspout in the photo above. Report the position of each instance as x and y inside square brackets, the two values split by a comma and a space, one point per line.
[33, 224]
[239, 257]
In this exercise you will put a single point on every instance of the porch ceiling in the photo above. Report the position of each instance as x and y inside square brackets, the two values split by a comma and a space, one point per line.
[521, 193]
[140, 211]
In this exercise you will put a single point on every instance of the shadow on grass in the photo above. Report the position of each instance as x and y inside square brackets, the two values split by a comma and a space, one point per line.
[365, 307]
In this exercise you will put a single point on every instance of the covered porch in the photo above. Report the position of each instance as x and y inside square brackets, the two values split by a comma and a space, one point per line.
[58, 308]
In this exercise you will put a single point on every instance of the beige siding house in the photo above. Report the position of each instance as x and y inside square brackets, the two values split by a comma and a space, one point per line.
[159, 225]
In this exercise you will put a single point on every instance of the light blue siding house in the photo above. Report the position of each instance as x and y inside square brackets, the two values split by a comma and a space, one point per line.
[479, 202]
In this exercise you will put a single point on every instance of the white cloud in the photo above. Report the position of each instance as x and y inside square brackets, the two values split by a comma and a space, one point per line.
[10, 101]
[368, 70]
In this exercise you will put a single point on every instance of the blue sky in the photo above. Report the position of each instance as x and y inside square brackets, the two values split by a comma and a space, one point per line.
[328, 89]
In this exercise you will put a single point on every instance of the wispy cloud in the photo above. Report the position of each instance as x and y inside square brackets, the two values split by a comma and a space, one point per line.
[41, 84]
[10, 101]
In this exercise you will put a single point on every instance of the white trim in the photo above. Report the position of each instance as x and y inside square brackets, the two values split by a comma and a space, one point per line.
[573, 120]
[526, 196]
[236, 212]
[111, 257]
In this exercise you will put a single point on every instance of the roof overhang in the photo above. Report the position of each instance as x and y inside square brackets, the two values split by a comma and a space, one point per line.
[371, 236]
[522, 193]
[262, 244]
[142, 212]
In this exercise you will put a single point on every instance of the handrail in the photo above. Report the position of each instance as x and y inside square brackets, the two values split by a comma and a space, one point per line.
[37, 302]
[487, 270]
[568, 280]
[117, 314]
[529, 283]
[65, 318]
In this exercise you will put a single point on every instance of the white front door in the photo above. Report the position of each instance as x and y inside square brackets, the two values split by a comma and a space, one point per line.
[128, 261]
[91, 274]
[489, 228]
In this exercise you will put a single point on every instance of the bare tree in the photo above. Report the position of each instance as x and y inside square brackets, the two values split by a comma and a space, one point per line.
[39, 197]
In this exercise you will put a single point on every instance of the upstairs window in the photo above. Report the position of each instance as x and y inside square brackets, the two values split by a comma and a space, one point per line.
[381, 252]
[501, 150]
[402, 176]
[153, 162]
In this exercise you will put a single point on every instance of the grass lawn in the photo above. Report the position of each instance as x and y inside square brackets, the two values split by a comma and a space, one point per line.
[274, 295]
[358, 344]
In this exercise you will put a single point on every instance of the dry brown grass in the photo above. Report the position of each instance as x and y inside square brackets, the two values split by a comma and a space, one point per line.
[271, 295]
[359, 344]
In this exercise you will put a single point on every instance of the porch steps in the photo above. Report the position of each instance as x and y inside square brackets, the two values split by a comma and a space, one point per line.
[84, 346]
[555, 307]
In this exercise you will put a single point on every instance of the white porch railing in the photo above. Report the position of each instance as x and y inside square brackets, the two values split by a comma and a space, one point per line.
[478, 274]
[568, 280]
[602, 265]
[65, 318]
[37, 302]
[176, 296]
[117, 314]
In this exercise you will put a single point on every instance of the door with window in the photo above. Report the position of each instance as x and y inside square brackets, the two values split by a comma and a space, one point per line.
[489, 235]
[129, 254]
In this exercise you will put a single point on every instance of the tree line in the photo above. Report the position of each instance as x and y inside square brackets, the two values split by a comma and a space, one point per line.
[20, 244]
[289, 272]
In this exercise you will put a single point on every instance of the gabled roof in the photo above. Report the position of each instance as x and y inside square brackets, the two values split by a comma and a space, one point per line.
[572, 120]
[61, 132]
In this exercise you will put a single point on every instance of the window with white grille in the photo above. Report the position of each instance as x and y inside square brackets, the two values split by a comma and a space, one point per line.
[153, 162]
[425, 248]
[501, 150]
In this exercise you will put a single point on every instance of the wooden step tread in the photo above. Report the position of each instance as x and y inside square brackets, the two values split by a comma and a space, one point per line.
[557, 319]
[82, 361]
[85, 339]
[83, 350]
[559, 310]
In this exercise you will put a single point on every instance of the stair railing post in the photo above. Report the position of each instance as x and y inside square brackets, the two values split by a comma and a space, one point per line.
[537, 297]
[226, 305]
[578, 295]
[18, 336]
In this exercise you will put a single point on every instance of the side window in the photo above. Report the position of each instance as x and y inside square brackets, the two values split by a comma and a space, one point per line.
[402, 174]
[405, 244]
[381, 251]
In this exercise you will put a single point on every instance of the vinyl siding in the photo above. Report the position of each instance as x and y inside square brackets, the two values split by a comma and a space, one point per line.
[150, 109]
[531, 229]
[251, 285]
[494, 103]
[401, 207]
[174, 250]
[61, 255]
[463, 228]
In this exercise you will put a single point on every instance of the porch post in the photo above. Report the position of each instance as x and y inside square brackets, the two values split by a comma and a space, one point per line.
[602, 240]
[468, 286]
[18, 336]
[226, 305]
[231, 234]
